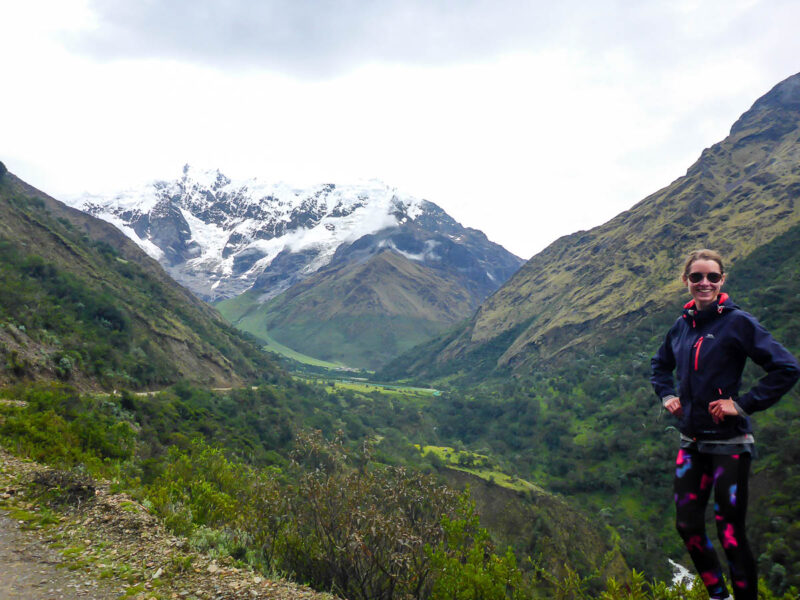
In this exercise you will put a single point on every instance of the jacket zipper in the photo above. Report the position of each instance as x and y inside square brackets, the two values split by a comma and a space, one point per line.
[697, 353]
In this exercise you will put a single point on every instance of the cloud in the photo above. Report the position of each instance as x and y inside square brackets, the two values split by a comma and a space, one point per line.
[315, 38]
[577, 107]
[309, 37]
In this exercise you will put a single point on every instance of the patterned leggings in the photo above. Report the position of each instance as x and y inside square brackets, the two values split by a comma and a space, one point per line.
[696, 474]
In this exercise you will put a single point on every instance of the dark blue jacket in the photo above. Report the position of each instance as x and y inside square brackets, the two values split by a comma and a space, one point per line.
[708, 349]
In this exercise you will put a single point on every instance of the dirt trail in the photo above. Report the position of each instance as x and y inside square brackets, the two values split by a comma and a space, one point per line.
[29, 570]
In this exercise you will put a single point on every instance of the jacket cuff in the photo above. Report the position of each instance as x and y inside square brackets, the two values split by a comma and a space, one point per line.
[740, 410]
[746, 404]
[666, 398]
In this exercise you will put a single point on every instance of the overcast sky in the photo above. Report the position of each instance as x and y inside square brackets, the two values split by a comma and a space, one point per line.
[527, 120]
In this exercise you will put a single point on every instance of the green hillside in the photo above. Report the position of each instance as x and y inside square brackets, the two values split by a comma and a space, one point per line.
[360, 315]
[79, 302]
[589, 286]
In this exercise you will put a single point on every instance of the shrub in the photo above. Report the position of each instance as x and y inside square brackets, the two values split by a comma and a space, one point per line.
[366, 531]
[465, 566]
[199, 487]
[63, 487]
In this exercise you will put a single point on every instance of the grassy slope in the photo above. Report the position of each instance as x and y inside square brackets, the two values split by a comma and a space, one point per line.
[360, 315]
[82, 302]
[239, 311]
[479, 465]
[579, 291]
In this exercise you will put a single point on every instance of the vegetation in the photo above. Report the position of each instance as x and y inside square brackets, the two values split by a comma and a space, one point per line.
[335, 517]
[77, 308]
[479, 465]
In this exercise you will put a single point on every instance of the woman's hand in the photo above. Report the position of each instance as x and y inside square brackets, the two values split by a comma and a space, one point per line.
[724, 407]
[673, 405]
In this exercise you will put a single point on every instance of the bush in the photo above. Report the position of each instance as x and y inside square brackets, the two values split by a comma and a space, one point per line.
[337, 521]
[199, 487]
[63, 487]
[465, 566]
[61, 428]
[363, 530]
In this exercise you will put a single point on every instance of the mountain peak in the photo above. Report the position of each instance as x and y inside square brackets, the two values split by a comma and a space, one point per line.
[786, 93]
[781, 103]
[219, 236]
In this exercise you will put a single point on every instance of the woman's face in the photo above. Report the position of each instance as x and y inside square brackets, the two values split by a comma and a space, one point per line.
[704, 291]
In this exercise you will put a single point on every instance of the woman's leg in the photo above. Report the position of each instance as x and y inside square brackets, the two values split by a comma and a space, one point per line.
[693, 483]
[731, 475]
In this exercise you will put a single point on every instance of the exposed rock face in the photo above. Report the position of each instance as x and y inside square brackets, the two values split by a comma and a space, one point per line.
[220, 238]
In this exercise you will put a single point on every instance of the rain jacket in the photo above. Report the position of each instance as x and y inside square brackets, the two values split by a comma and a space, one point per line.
[708, 349]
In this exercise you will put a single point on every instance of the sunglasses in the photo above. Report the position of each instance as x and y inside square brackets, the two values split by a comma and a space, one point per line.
[698, 277]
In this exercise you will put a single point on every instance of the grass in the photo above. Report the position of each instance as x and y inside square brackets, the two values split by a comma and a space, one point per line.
[239, 312]
[271, 345]
[479, 465]
[395, 392]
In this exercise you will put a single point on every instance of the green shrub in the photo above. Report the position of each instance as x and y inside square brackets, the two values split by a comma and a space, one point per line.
[199, 487]
[465, 566]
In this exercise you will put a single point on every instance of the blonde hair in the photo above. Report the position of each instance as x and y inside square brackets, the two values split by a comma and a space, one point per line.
[704, 254]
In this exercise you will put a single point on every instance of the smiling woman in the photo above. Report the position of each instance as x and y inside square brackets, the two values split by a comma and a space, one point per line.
[709, 345]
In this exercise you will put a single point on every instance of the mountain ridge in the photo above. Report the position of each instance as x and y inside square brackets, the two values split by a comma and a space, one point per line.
[361, 313]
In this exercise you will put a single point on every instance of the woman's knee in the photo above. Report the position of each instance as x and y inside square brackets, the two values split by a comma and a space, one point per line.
[689, 525]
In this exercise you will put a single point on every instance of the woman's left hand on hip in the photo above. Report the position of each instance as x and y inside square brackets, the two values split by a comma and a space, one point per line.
[724, 407]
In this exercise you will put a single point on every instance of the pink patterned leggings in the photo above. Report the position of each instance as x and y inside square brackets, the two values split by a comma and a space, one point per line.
[696, 474]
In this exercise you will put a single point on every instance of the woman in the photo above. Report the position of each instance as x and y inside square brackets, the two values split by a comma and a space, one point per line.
[708, 345]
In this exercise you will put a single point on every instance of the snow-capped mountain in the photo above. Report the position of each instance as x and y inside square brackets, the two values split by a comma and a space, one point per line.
[221, 237]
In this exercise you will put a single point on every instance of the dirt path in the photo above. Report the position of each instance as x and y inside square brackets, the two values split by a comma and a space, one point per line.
[29, 569]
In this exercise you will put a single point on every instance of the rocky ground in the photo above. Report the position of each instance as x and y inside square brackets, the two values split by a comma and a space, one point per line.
[98, 544]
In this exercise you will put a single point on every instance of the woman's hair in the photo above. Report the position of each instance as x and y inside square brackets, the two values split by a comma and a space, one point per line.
[703, 254]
